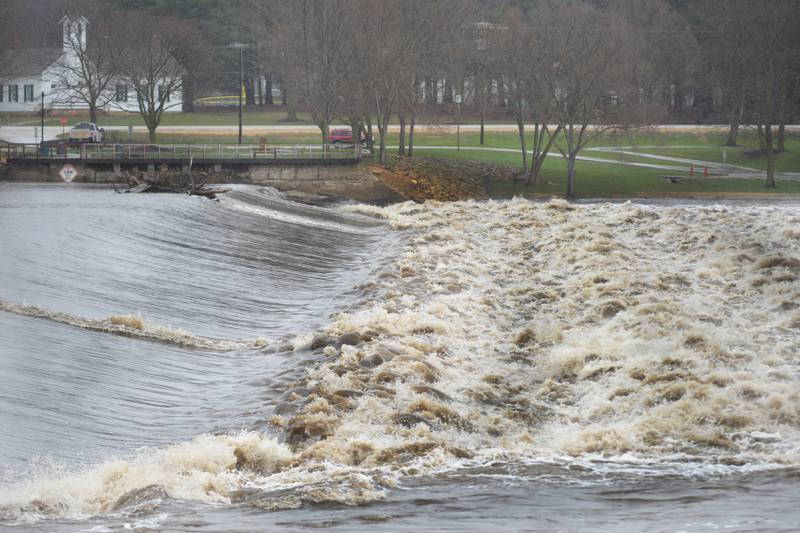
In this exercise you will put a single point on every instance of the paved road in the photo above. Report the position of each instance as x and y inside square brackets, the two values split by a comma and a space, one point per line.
[26, 133]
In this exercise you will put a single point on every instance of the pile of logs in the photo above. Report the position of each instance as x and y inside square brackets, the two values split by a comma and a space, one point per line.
[142, 184]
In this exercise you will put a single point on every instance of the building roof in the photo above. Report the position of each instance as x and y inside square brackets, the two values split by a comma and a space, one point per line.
[27, 62]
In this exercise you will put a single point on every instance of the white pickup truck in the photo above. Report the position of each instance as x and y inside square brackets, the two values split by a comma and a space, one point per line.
[86, 132]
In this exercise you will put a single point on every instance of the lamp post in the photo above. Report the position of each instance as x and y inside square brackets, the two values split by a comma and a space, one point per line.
[458, 100]
[241, 48]
[42, 134]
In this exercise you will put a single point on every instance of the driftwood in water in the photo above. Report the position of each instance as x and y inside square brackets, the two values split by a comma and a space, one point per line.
[143, 184]
[209, 192]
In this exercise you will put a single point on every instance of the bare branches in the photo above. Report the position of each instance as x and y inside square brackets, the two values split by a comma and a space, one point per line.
[151, 62]
[84, 72]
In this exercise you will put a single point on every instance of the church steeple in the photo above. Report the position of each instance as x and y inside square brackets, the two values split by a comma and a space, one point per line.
[74, 33]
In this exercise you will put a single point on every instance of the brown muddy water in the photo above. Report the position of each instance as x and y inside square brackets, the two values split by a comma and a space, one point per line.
[513, 365]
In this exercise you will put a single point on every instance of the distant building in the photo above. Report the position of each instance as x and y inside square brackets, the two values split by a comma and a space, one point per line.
[26, 73]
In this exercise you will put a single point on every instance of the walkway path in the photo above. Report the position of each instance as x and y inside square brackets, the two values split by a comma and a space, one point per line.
[25, 134]
[728, 171]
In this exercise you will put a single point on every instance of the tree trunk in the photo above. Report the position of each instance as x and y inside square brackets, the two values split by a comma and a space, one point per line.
[291, 111]
[760, 134]
[93, 112]
[430, 91]
[483, 124]
[260, 90]
[370, 136]
[770, 156]
[521, 131]
[250, 97]
[151, 134]
[383, 126]
[355, 127]
[401, 145]
[324, 128]
[736, 119]
[411, 135]
[571, 176]
[781, 132]
[268, 89]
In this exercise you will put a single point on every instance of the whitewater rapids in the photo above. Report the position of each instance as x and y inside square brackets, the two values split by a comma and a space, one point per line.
[512, 332]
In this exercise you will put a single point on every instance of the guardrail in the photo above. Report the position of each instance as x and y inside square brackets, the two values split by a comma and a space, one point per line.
[169, 152]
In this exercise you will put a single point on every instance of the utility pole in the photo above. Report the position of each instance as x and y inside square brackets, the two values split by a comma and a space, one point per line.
[241, 84]
[42, 136]
[458, 100]
[241, 47]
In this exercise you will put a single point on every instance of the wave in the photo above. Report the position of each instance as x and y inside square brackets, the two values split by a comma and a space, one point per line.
[517, 331]
[132, 325]
[269, 202]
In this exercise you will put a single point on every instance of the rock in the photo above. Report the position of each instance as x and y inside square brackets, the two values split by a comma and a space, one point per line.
[320, 341]
[436, 393]
[371, 361]
[408, 420]
[611, 309]
[524, 337]
[350, 339]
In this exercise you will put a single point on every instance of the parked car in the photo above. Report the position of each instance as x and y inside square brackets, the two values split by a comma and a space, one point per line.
[344, 136]
[86, 132]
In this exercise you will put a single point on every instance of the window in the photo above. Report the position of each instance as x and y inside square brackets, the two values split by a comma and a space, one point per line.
[121, 93]
[27, 91]
[161, 94]
[13, 93]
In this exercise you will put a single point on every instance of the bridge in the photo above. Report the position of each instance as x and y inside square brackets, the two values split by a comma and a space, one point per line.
[176, 154]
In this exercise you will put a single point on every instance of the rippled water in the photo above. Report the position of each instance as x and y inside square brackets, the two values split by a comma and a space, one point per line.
[516, 365]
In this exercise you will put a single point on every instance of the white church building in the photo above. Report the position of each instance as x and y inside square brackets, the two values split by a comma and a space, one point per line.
[27, 73]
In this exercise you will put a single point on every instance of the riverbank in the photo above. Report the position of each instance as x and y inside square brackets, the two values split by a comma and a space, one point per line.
[665, 162]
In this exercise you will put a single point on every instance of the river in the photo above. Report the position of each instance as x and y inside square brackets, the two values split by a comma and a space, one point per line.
[173, 363]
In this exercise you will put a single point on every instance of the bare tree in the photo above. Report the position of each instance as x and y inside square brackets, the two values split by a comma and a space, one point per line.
[728, 58]
[305, 43]
[151, 62]
[517, 52]
[85, 71]
[437, 46]
[774, 38]
[588, 68]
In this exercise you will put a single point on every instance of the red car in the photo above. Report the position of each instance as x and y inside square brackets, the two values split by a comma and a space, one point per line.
[344, 136]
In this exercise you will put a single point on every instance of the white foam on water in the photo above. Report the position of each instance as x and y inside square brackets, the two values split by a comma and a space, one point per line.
[132, 325]
[639, 339]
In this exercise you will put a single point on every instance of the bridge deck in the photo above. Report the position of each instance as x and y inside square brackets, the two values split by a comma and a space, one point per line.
[245, 154]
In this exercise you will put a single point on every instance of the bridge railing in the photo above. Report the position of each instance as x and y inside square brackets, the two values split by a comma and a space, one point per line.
[167, 152]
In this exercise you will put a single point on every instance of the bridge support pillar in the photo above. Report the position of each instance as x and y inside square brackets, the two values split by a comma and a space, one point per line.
[151, 169]
[217, 167]
[117, 170]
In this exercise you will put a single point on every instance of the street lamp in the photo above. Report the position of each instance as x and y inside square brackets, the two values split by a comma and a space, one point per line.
[241, 48]
[42, 134]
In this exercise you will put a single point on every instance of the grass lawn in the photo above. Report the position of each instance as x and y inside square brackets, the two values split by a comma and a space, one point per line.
[227, 117]
[593, 179]
[597, 180]
[252, 116]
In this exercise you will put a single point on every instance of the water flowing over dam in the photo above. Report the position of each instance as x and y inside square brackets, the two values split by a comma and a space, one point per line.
[169, 362]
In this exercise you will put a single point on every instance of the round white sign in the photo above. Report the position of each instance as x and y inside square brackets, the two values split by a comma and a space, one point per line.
[68, 173]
